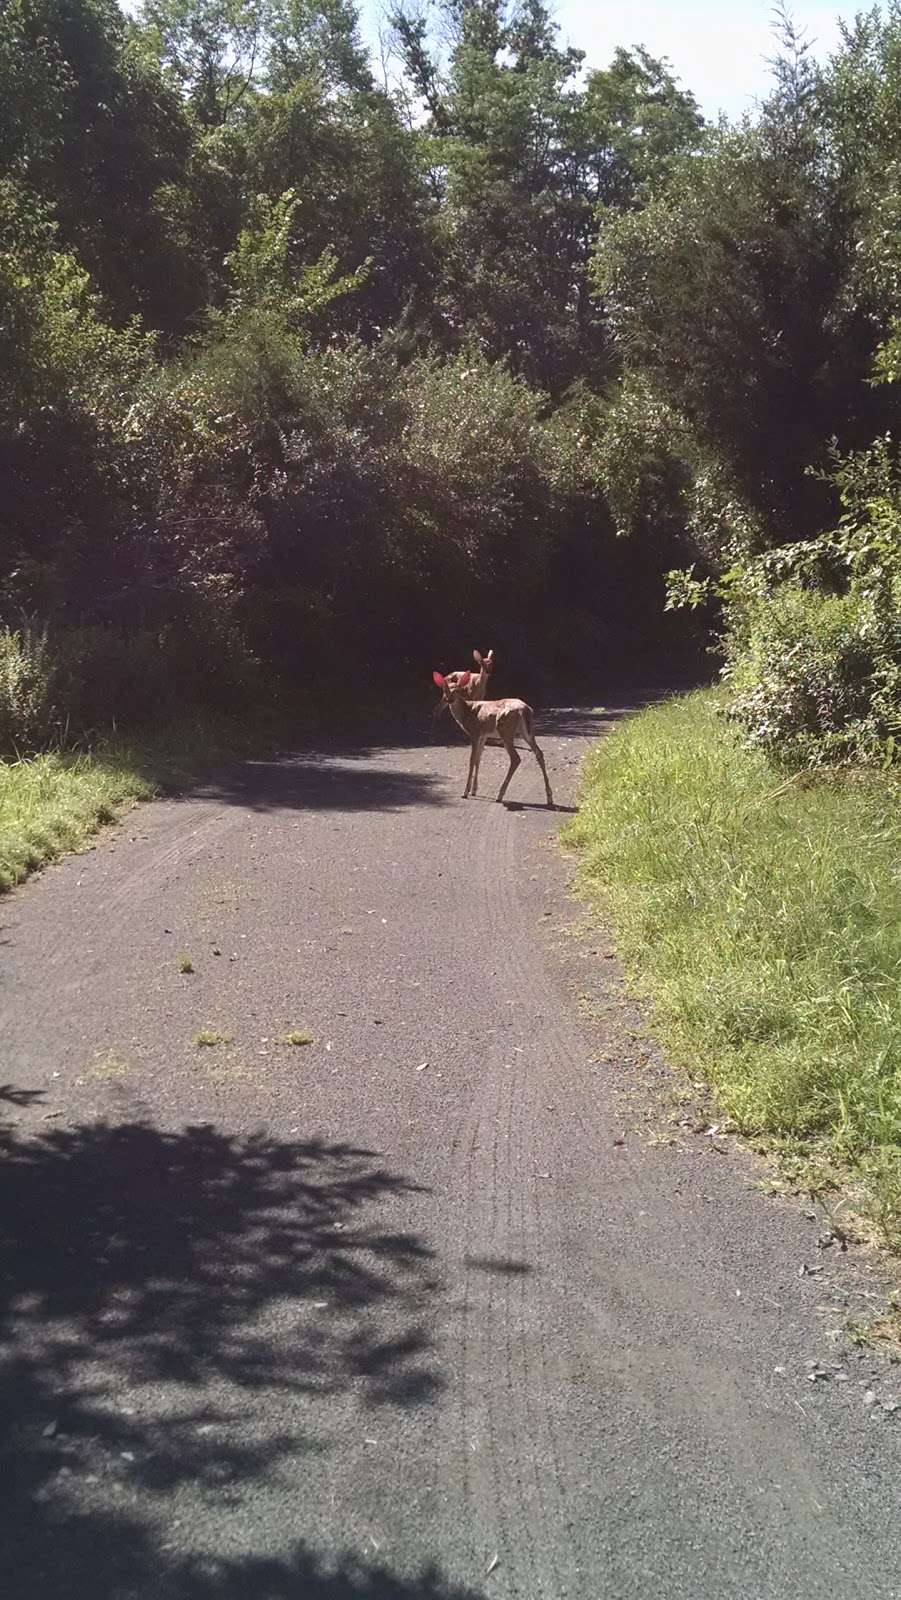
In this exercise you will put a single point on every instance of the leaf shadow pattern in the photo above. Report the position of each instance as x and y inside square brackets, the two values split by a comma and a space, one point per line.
[10, 1095]
[165, 1267]
[303, 1577]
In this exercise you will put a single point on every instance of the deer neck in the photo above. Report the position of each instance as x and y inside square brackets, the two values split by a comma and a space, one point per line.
[463, 713]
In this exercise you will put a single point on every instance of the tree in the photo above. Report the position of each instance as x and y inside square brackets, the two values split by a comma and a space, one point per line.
[320, 40]
[360, 191]
[632, 124]
[521, 155]
[89, 126]
[213, 51]
[726, 294]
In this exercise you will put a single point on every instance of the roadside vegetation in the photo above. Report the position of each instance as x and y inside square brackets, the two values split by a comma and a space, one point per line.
[759, 911]
[746, 843]
[56, 800]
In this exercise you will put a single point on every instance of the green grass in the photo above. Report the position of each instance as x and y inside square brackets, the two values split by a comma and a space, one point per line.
[762, 918]
[209, 1038]
[55, 802]
[295, 1036]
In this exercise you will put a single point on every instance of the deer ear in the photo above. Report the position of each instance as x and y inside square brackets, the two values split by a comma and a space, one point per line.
[477, 658]
[439, 678]
[490, 658]
[464, 680]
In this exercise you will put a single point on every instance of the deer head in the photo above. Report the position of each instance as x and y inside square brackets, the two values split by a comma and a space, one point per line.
[453, 686]
[474, 684]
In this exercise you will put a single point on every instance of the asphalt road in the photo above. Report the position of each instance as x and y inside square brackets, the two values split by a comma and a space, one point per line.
[424, 1309]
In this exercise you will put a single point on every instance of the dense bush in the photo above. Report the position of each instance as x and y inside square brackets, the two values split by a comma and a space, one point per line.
[753, 300]
[812, 632]
[65, 685]
[355, 373]
[360, 509]
[804, 685]
[28, 712]
[279, 358]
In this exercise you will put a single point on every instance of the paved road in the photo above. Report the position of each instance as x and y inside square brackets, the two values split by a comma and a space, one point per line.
[395, 1315]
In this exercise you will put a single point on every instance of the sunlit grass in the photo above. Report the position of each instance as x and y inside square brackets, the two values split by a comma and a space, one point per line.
[209, 1038]
[762, 918]
[55, 802]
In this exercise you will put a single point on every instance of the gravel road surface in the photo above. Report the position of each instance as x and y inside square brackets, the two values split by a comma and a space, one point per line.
[426, 1308]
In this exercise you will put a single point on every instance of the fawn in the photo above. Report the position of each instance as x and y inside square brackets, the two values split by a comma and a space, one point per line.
[480, 719]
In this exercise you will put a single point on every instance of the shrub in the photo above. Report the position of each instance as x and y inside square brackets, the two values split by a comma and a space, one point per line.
[812, 631]
[806, 687]
[27, 707]
[813, 637]
[73, 684]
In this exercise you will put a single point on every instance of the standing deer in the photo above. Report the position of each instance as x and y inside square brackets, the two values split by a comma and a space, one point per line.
[476, 687]
[482, 719]
[477, 682]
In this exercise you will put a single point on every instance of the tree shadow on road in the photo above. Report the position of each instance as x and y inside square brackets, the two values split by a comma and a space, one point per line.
[351, 775]
[305, 1578]
[314, 781]
[158, 1292]
[580, 722]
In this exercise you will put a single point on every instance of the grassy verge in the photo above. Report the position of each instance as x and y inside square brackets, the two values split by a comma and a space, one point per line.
[761, 916]
[54, 802]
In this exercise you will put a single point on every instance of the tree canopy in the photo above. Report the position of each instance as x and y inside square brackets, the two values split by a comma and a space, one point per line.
[348, 355]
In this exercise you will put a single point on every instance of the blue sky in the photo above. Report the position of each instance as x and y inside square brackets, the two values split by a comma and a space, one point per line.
[717, 47]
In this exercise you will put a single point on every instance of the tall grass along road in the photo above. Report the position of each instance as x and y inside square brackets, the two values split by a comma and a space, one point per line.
[761, 914]
[57, 800]
[332, 1263]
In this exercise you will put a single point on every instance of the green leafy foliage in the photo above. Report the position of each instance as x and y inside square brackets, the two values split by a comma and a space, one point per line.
[300, 366]
[803, 684]
[261, 270]
[71, 685]
[87, 122]
[754, 301]
[813, 638]
[724, 292]
[523, 154]
[56, 347]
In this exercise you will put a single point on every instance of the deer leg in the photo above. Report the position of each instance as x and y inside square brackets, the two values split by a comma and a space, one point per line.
[471, 773]
[515, 758]
[478, 747]
[533, 745]
[547, 787]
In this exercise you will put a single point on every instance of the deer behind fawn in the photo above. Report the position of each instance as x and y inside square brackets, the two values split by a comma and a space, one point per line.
[476, 686]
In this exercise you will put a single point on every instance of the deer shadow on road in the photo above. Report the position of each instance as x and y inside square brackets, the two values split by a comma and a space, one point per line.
[168, 1301]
